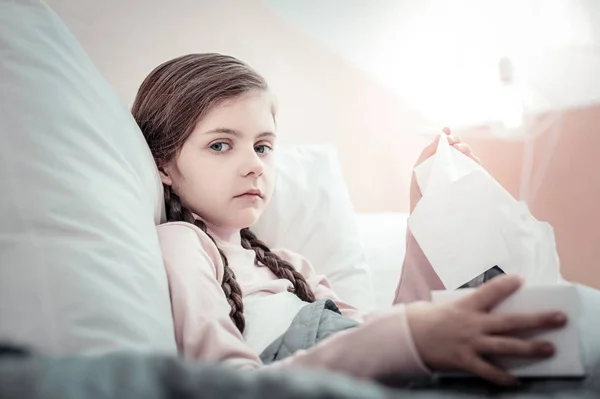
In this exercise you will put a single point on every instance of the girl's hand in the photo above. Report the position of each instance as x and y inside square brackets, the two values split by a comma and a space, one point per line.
[454, 141]
[458, 335]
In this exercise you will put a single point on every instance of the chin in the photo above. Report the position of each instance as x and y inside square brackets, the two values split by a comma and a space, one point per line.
[245, 218]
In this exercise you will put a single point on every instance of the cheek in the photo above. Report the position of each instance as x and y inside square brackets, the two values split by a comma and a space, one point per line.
[193, 177]
[270, 175]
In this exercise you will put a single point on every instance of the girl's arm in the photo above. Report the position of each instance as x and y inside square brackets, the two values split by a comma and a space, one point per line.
[203, 328]
[381, 346]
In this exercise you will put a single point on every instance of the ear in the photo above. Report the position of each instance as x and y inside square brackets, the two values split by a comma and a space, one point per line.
[164, 175]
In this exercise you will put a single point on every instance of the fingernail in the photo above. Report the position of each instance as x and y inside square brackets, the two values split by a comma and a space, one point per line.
[520, 279]
[547, 348]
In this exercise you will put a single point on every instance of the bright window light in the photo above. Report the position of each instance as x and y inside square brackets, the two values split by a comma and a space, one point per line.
[450, 52]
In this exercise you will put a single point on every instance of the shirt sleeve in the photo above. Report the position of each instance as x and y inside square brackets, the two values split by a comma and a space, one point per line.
[381, 346]
[418, 278]
[203, 328]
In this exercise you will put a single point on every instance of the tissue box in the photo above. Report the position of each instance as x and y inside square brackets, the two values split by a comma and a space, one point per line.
[567, 361]
[467, 222]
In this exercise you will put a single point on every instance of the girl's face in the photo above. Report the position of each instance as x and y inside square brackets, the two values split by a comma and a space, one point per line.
[225, 171]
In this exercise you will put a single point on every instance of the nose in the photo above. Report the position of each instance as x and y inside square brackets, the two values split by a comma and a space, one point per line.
[252, 164]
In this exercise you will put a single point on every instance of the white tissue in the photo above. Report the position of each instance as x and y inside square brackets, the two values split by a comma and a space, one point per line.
[467, 223]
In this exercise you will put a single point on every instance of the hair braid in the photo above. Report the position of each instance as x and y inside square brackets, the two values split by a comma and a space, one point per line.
[279, 267]
[177, 212]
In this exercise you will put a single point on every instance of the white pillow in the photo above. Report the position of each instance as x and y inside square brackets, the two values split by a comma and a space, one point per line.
[80, 265]
[311, 214]
[384, 239]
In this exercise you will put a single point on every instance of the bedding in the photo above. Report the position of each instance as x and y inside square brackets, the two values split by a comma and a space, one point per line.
[81, 269]
[313, 323]
[383, 237]
[135, 376]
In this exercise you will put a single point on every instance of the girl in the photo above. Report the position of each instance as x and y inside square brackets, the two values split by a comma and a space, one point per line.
[209, 120]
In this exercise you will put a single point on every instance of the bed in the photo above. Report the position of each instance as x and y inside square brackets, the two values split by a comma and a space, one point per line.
[82, 272]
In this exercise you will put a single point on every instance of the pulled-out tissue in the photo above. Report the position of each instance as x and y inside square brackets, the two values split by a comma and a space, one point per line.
[466, 223]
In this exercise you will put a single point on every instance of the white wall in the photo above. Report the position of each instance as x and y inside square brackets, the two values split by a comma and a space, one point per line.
[322, 98]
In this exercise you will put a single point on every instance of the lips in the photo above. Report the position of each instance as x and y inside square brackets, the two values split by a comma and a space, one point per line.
[253, 192]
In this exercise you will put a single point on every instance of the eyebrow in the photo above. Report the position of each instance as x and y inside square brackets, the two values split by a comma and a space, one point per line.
[223, 130]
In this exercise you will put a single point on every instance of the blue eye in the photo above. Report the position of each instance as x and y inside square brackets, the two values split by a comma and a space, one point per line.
[219, 147]
[263, 149]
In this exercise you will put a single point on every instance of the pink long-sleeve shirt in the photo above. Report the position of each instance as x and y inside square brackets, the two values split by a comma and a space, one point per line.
[380, 346]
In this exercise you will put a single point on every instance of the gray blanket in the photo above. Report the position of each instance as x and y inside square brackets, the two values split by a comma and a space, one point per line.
[314, 323]
[135, 376]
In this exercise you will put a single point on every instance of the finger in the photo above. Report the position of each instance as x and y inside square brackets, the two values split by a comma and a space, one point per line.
[517, 323]
[506, 346]
[446, 130]
[468, 151]
[464, 148]
[491, 373]
[453, 140]
[490, 294]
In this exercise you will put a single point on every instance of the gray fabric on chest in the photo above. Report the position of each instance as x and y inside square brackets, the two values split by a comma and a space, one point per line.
[314, 323]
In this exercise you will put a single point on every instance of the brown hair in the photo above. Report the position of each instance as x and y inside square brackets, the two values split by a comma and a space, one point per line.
[169, 103]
